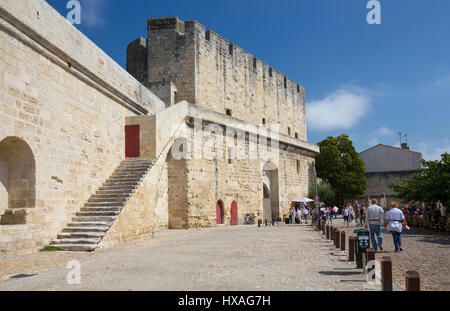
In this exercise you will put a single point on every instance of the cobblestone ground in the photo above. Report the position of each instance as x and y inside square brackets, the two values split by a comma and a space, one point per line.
[285, 257]
[426, 252]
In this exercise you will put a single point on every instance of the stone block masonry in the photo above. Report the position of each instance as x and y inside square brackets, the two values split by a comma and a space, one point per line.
[65, 100]
[210, 72]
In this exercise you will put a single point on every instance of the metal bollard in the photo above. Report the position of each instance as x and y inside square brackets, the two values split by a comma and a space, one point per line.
[412, 279]
[351, 248]
[259, 223]
[323, 226]
[327, 230]
[342, 240]
[386, 274]
[370, 257]
[331, 233]
[337, 238]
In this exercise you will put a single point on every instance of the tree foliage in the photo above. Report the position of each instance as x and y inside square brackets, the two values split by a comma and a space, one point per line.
[431, 183]
[340, 165]
[324, 191]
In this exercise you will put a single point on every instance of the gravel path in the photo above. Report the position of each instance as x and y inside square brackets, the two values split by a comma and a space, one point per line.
[285, 257]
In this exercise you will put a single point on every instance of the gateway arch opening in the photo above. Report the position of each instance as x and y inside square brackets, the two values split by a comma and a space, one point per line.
[271, 198]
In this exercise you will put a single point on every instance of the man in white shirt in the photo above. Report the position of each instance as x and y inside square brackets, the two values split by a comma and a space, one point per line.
[336, 210]
[374, 215]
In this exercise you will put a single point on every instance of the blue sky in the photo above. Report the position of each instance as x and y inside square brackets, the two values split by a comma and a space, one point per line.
[369, 81]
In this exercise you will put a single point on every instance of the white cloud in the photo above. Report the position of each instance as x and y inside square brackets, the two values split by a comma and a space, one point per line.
[384, 131]
[339, 110]
[443, 82]
[91, 12]
[433, 151]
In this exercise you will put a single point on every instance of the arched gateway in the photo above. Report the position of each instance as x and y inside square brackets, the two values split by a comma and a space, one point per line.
[271, 200]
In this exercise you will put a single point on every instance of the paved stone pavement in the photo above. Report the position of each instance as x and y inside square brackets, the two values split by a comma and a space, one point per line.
[426, 252]
[285, 257]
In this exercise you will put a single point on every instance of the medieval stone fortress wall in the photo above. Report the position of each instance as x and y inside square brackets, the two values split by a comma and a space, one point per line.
[65, 107]
[62, 113]
[208, 71]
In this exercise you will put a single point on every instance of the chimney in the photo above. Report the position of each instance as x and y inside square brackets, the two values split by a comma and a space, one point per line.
[405, 146]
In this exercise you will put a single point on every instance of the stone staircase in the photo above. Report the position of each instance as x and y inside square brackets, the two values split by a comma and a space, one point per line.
[90, 225]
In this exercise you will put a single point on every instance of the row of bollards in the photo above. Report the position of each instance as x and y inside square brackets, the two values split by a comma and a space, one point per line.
[412, 278]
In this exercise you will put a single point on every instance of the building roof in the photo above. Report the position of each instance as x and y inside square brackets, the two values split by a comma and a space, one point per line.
[383, 145]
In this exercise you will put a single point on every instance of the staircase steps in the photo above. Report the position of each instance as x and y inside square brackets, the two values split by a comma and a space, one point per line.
[90, 224]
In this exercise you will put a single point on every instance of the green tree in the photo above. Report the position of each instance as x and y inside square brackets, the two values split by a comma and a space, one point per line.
[324, 191]
[340, 165]
[431, 183]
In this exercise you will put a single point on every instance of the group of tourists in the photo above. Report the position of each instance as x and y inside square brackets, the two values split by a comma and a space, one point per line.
[297, 214]
[350, 213]
[431, 210]
[328, 213]
[355, 212]
[372, 218]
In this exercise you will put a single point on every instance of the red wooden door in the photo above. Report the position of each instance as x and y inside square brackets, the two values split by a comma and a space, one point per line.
[132, 143]
[218, 214]
[234, 214]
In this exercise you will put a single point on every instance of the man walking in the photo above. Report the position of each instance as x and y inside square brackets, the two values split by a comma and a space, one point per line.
[374, 215]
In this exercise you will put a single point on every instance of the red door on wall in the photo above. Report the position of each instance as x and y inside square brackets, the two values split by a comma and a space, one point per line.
[218, 214]
[234, 214]
[132, 143]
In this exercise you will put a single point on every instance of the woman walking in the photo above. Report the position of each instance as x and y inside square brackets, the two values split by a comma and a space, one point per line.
[394, 222]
